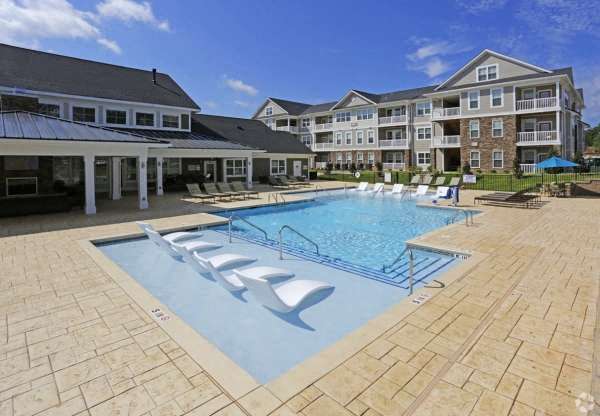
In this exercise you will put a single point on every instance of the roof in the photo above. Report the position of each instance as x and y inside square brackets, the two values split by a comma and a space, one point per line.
[26, 69]
[319, 108]
[190, 140]
[294, 108]
[31, 126]
[248, 132]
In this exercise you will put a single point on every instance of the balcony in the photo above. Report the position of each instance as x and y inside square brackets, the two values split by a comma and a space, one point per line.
[322, 146]
[443, 113]
[446, 141]
[537, 104]
[394, 143]
[392, 119]
[321, 165]
[394, 165]
[290, 129]
[529, 168]
[324, 126]
[304, 129]
[538, 138]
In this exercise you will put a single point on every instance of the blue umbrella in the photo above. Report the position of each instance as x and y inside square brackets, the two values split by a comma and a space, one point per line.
[555, 162]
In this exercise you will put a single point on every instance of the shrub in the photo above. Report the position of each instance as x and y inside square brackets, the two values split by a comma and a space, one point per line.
[466, 169]
[517, 169]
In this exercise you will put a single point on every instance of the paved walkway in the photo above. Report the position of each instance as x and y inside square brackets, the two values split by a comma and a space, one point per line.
[513, 335]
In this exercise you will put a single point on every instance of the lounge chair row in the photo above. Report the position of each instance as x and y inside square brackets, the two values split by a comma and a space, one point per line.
[524, 198]
[221, 191]
[439, 181]
[287, 181]
[284, 298]
[396, 189]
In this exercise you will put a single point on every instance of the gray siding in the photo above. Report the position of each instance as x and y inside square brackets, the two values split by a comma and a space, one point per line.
[506, 69]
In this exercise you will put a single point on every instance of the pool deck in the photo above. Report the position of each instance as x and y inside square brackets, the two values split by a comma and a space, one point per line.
[512, 333]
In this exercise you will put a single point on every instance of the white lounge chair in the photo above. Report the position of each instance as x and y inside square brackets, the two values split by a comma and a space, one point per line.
[232, 283]
[422, 190]
[189, 246]
[361, 187]
[284, 298]
[397, 189]
[171, 237]
[220, 261]
[442, 192]
[378, 187]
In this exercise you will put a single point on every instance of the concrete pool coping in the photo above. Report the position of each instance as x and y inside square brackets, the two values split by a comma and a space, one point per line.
[234, 379]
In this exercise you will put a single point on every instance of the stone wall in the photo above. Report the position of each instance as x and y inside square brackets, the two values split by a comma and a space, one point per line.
[486, 144]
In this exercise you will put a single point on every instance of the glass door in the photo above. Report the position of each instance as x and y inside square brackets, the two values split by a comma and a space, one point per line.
[102, 175]
[129, 174]
[210, 171]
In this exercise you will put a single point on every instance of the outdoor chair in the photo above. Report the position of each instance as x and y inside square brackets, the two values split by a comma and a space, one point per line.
[239, 187]
[226, 189]
[211, 189]
[195, 192]
[439, 181]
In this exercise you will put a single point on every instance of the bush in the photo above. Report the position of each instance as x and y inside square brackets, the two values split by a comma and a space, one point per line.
[517, 169]
[379, 166]
[466, 169]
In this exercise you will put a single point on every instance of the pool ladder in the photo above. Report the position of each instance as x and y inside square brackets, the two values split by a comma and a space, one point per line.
[468, 217]
[287, 227]
[237, 217]
[411, 266]
[276, 197]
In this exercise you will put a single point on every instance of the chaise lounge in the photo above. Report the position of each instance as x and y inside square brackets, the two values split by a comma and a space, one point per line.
[195, 192]
[523, 198]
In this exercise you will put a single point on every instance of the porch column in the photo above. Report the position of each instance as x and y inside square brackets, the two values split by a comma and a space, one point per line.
[90, 186]
[142, 174]
[116, 178]
[249, 172]
[224, 170]
[558, 126]
[159, 175]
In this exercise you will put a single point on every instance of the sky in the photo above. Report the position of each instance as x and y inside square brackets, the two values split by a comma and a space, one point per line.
[230, 55]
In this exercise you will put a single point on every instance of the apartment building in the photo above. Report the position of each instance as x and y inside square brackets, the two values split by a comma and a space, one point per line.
[492, 111]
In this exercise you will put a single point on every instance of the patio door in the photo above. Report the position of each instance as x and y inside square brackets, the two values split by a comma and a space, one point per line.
[298, 167]
[210, 171]
[129, 174]
[102, 175]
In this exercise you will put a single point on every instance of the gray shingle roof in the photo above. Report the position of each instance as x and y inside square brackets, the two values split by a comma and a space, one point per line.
[29, 126]
[293, 108]
[248, 132]
[191, 140]
[319, 108]
[42, 71]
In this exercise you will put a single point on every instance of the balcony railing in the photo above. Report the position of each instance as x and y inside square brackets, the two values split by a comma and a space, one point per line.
[393, 119]
[446, 141]
[537, 103]
[324, 126]
[397, 143]
[446, 112]
[321, 165]
[394, 165]
[532, 138]
[322, 146]
[291, 129]
[529, 168]
[304, 129]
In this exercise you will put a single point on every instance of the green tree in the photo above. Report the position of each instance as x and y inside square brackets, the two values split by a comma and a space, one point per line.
[592, 137]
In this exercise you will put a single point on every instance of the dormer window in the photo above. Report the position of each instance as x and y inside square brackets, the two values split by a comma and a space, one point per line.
[487, 73]
[170, 121]
[269, 111]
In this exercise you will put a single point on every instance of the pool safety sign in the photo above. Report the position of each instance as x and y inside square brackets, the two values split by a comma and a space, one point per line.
[421, 298]
[469, 179]
[159, 315]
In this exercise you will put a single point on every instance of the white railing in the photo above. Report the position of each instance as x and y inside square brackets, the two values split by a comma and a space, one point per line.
[400, 143]
[446, 141]
[324, 126]
[322, 146]
[393, 119]
[528, 168]
[446, 112]
[304, 129]
[291, 129]
[394, 165]
[321, 165]
[525, 138]
[536, 104]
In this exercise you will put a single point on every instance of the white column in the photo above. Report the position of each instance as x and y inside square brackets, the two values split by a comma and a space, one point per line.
[224, 170]
[558, 126]
[142, 173]
[159, 175]
[90, 186]
[116, 178]
[249, 172]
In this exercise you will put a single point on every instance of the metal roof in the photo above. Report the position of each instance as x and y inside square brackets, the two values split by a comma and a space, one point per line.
[31, 126]
[191, 139]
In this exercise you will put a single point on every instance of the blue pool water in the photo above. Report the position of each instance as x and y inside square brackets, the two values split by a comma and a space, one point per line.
[264, 343]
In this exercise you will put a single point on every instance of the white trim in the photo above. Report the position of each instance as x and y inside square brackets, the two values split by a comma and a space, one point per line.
[492, 97]
[271, 160]
[501, 128]
[346, 96]
[423, 102]
[126, 111]
[424, 133]
[469, 100]
[478, 130]
[346, 133]
[502, 152]
[134, 121]
[86, 106]
[478, 159]
[417, 158]
[487, 73]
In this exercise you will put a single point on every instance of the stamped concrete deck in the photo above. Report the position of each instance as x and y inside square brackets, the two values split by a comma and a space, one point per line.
[510, 334]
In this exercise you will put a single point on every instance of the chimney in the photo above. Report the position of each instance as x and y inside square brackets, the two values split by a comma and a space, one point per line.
[154, 76]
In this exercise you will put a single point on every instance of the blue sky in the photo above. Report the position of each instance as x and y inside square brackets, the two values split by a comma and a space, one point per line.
[231, 55]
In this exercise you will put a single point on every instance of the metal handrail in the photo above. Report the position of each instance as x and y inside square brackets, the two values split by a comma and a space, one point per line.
[411, 266]
[468, 217]
[282, 198]
[298, 233]
[237, 217]
[396, 260]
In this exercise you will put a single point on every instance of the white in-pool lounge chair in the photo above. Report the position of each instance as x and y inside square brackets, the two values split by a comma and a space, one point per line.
[233, 284]
[422, 190]
[284, 298]
[188, 246]
[397, 189]
[220, 261]
[442, 192]
[171, 237]
[378, 187]
[361, 187]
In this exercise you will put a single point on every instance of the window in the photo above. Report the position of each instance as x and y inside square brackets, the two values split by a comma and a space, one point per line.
[269, 111]
[348, 157]
[52, 110]
[528, 94]
[389, 135]
[497, 159]
[474, 129]
[423, 109]
[487, 73]
[370, 158]
[235, 167]
[370, 137]
[306, 139]
[84, 114]
[172, 166]
[398, 134]
[544, 94]
[278, 167]
[306, 122]
[528, 125]
[170, 121]
[342, 117]
[348, 137]
[496, 97]
[269, 123]
[339, 158]
[545, 126]
[359, 137]
[497, 127]
[359, 157]
[423, 133]
[338, 138]
[116, 117]
[473, 100]
[474, 162]
[423, 158]
[144, 119]
[365, 114]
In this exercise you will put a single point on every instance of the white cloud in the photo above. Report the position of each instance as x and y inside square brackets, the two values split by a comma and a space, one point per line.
[210, 104]
[481, 6]
[110, 44]
[435, 67]
[241, 103]
[427, 57]
[129, 10]
[240, 86]
[591, 95]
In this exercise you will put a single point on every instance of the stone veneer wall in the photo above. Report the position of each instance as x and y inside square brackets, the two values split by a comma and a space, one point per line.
[486, 144]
